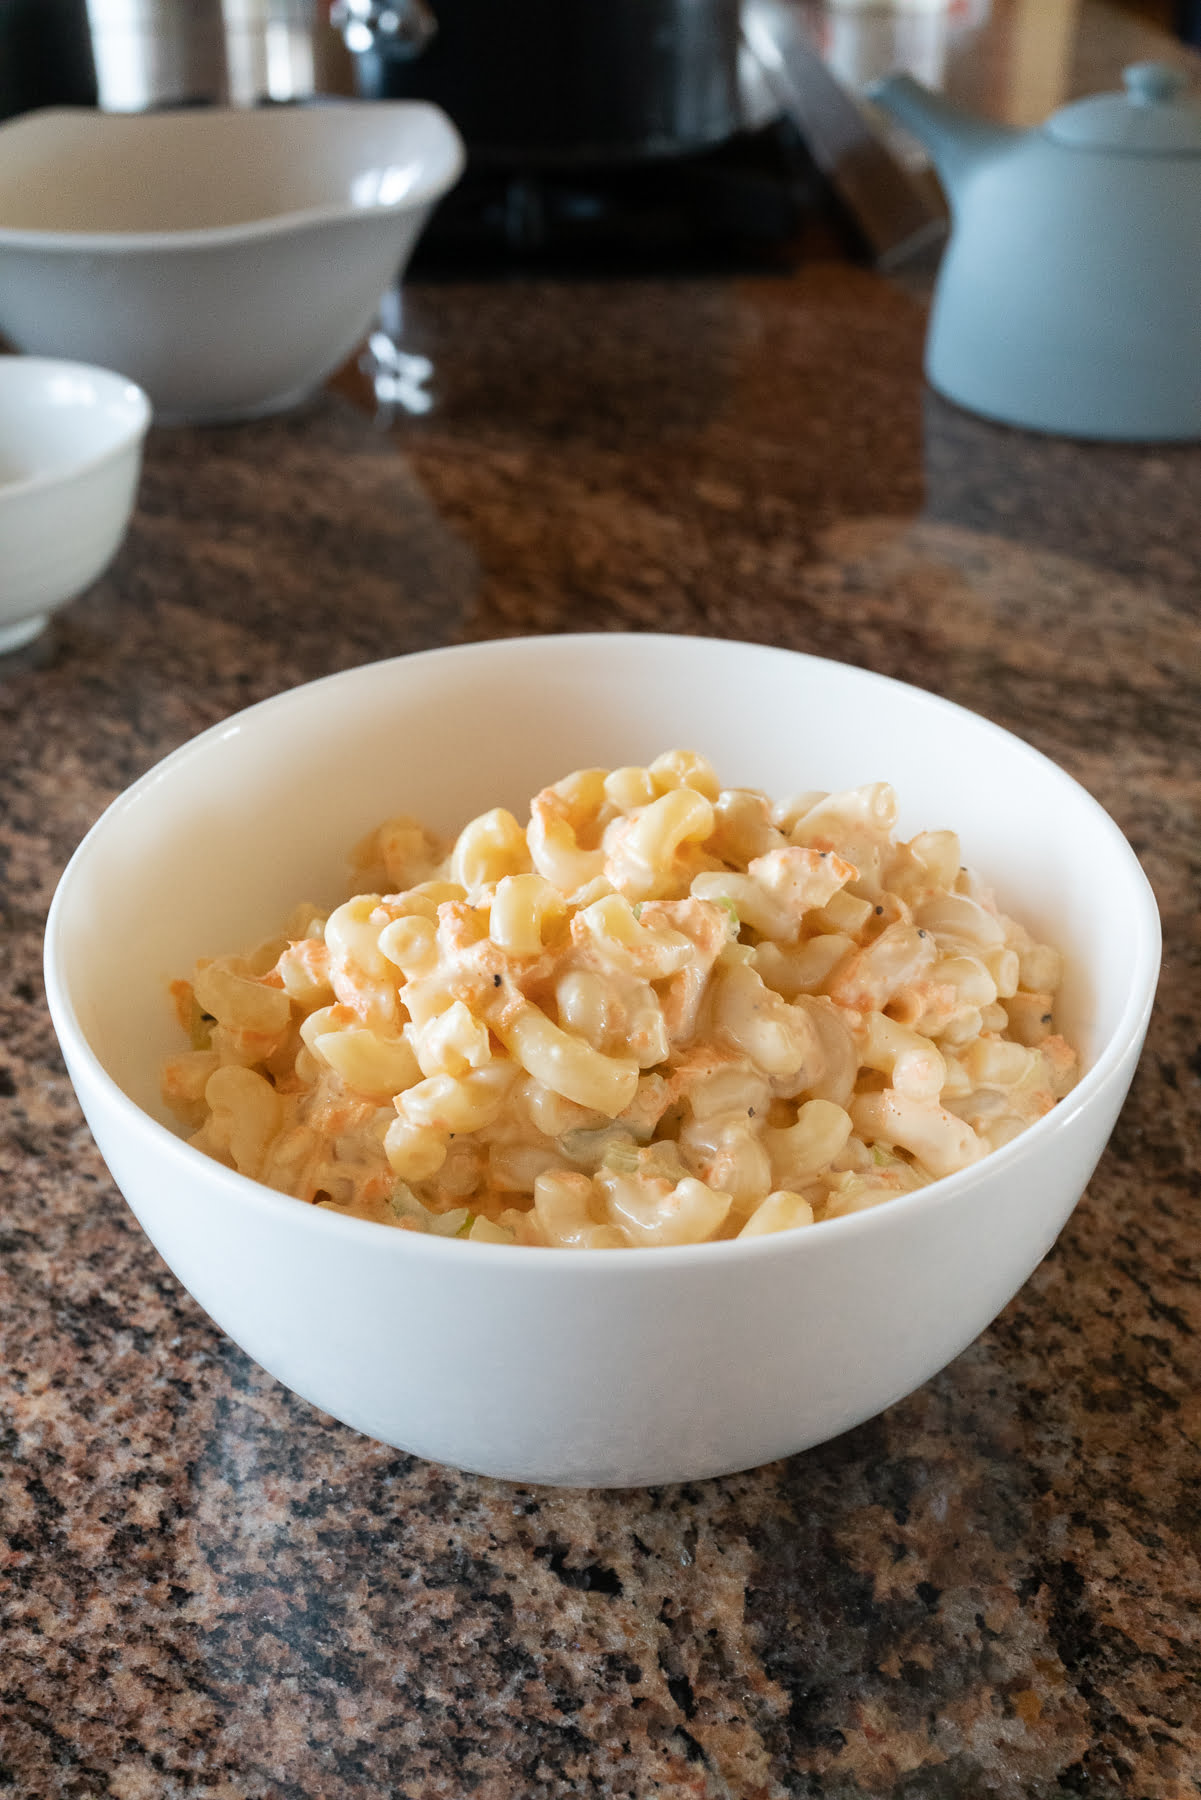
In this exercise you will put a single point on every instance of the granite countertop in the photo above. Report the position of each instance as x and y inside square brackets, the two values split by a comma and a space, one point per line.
[211, 1590]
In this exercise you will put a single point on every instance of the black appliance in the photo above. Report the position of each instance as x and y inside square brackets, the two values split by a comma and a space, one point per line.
[45, 55]
[652, 130]
[551, 81]
[600, 133]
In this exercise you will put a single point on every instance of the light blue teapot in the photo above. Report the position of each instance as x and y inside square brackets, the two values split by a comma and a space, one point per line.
[1069, 298]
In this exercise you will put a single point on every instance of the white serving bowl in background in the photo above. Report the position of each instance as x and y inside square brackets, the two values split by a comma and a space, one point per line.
[581, 1367]
[226, 260]
[70, 457]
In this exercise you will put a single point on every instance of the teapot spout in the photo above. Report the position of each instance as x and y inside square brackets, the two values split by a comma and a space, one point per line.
[957, 141]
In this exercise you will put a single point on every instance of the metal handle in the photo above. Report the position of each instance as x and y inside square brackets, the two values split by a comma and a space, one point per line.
[402, 27]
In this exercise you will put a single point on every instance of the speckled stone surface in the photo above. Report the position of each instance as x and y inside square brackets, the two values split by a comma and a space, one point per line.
[208, 1589]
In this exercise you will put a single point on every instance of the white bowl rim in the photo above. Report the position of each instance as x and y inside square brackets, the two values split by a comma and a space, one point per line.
[137, 425]
[648, 1258]
[270, 225]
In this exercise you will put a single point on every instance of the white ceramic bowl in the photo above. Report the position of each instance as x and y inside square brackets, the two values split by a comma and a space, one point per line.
[226, 260]
[593, 1367]
[70, 456]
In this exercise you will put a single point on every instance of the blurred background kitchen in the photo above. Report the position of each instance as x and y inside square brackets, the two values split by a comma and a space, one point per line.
[602, 129]
[126, 55]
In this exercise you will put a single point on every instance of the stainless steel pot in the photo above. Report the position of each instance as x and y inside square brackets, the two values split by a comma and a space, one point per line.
[154, 53]
[551, 81]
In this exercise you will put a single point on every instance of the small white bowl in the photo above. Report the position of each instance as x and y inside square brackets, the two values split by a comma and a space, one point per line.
[606, 1366]
[70, 456]
[226, 260]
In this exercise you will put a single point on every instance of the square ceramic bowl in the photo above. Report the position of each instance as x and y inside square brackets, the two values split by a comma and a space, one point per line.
[601, 1366]
[227, 261]
[70, 457]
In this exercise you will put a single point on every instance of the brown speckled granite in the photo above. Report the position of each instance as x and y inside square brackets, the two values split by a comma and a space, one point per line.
[207, 1589]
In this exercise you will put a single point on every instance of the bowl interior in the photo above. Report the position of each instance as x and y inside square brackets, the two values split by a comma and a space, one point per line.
[55, 417]
[90, 173]
[211, 850]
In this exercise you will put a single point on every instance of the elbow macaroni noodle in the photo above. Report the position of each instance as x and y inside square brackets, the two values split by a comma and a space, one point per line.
[663, 1012]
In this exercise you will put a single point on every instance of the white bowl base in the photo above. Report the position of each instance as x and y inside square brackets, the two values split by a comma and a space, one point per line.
[15, 637]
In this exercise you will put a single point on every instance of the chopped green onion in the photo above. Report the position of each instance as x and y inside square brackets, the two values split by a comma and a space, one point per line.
[651, 1162]
[403, 1201]
[621, 1155]
[407, 1206]
[450, 1224]
[587, 1145]
[663, 1159]
[200, 1027]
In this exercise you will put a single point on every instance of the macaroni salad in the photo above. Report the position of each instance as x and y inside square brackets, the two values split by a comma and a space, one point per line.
[661, 1012]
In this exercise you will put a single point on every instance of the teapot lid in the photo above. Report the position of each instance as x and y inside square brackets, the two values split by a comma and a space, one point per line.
[1156, 116]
